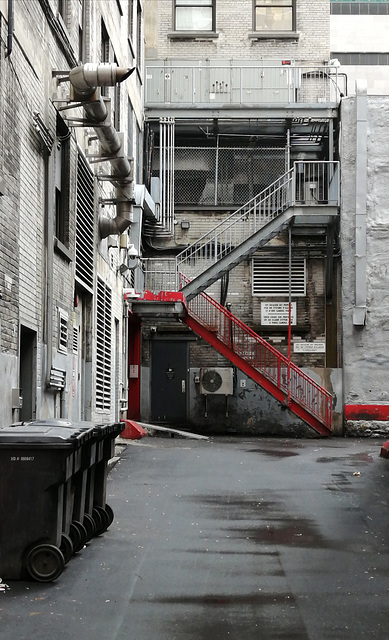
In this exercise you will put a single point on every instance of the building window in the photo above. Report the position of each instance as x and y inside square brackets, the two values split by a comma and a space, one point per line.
[274, 15]
[62, 182]
[363, 8]
[103, 346]
[270, 276]
[194, 15]
[139, 38]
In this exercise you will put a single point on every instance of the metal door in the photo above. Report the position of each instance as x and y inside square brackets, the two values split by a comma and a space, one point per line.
[169, 380]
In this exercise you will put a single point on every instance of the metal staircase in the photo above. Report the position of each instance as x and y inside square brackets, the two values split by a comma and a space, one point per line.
[255, 357]
[307, 194]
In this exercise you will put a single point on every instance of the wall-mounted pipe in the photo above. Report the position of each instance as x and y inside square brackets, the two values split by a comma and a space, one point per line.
[85, 79]
[10, 27]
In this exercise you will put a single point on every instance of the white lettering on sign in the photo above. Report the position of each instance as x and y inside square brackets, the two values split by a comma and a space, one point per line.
[309, 347]
[22, 458]
[277, 313]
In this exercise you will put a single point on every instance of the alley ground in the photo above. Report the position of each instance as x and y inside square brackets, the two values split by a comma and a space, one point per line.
[236, 539]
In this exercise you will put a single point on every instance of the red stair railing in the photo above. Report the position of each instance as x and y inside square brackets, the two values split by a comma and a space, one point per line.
[296, 386]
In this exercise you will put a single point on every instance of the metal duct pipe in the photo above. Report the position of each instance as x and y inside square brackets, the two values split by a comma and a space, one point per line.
[85, 80]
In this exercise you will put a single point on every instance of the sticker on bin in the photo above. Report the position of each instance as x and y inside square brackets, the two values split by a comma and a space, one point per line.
[3, 586]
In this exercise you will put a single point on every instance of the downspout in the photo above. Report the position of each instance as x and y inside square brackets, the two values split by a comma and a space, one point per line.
[85, 80]
[359, 312]
[10, 27]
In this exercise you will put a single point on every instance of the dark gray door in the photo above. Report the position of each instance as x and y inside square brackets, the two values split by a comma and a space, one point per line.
[169, 373]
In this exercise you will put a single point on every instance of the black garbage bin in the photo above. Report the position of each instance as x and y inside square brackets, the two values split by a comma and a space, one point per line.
[96, 505]
[85, 511]
[37, 461]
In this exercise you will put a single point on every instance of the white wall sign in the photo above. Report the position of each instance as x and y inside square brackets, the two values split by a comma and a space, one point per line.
[277, 313]
[309, 347]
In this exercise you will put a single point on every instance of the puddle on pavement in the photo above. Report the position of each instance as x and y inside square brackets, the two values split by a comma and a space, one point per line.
[275, 453]
[296, 533]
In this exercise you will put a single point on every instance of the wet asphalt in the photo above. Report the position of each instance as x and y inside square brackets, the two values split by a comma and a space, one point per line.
[236, 539]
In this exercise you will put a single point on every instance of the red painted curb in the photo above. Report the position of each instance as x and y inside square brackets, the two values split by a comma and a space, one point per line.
[366, 411]
[132, 430]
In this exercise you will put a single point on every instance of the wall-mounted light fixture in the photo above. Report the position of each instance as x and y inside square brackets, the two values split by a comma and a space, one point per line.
[185, 224]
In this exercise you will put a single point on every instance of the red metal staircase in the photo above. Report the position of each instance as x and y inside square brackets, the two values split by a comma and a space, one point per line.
[261, 362]
[255, 357]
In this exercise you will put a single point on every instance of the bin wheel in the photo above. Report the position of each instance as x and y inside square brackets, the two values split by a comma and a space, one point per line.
[78, 535]
[110, 513]
[45, 562]
[104, 519]
[66, 547]
[89, 525]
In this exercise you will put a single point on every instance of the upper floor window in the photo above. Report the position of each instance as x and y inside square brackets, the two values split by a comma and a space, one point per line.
[274, 15]
[194, 15]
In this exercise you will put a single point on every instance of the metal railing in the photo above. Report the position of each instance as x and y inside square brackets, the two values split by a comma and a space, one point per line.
[307, 184]
[270, 363]
[209, 83]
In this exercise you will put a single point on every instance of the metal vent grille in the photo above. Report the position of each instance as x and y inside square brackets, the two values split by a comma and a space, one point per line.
[75, 339]
[270, 276]
[85, 225]
[62, 331]
[104, 346]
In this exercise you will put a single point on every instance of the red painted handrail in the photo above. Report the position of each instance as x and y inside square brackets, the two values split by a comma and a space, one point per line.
[237, 336]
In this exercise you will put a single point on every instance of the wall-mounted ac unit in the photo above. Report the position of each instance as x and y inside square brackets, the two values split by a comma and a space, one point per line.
[217, 381]
[310, 193]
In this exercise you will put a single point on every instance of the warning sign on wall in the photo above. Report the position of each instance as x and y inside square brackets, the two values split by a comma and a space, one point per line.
[277, 313]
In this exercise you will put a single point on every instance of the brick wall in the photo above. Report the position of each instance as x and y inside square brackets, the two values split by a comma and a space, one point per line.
[233, 26]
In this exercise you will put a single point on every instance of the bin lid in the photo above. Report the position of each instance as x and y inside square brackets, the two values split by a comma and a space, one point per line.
[42, 434]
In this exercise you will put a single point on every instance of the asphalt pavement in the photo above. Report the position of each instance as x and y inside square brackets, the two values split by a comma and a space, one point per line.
[230, 539]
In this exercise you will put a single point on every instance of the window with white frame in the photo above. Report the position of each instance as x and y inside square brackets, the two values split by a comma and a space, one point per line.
[274, 15]
[270, 276]
[194, 15]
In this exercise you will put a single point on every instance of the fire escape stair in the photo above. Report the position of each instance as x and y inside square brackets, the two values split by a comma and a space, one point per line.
[203, 263]
[239, 253]
[261, 362]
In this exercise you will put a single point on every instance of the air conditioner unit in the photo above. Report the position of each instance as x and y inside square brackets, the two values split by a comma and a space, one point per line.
[217, 381]
[310, 193]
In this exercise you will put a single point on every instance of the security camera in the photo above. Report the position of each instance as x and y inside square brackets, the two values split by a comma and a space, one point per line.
[153, 329]
[132, 252]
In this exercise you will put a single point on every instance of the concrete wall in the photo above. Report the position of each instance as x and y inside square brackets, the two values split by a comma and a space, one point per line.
[365, 192]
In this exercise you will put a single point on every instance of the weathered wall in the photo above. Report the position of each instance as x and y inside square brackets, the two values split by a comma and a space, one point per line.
[366, 347]
[232, 18]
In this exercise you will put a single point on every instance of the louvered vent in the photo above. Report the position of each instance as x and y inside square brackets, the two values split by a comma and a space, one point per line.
[75, 339]
[271, 276]
[104, 345]
[84, 225]
[62, 331]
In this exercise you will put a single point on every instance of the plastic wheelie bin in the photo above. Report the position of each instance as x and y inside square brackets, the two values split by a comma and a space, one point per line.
[96, 505]
[37, 462]
[86, 513]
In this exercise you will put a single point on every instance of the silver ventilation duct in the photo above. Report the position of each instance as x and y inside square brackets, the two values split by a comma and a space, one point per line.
[85, 80]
